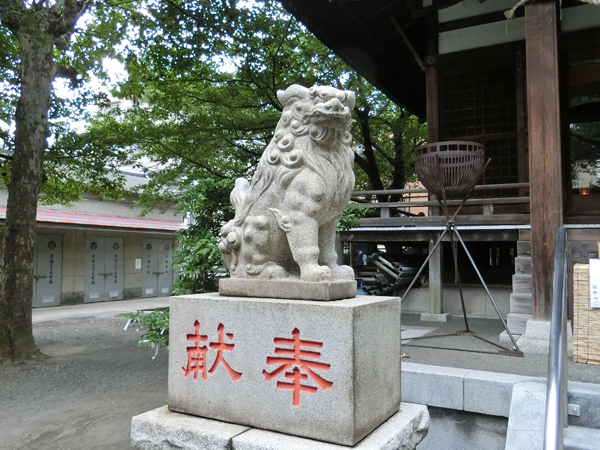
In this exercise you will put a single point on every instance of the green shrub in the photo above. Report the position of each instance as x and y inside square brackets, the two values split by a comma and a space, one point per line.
[155, 327]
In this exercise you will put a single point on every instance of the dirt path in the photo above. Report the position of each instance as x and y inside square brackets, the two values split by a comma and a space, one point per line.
[84, 396]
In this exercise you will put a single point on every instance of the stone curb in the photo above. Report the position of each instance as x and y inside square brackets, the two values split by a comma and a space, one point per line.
[483, 392]
[460, 389]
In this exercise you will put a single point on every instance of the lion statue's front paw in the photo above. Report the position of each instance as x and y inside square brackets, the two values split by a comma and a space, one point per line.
[343, 273]
[316, 273]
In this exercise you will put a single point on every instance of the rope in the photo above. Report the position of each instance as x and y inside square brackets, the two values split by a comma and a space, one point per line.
[510, 14]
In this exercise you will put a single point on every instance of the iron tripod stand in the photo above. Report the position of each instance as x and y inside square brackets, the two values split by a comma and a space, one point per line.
[453, 230]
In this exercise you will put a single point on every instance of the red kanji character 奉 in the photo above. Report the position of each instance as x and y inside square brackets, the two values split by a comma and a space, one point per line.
[196, 355]
[298, 365]
[296, 376]
[221, 347]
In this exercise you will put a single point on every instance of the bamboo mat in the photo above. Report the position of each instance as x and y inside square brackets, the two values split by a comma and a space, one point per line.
[586, 321]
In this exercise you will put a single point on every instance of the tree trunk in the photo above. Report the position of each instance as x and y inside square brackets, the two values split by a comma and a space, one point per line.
[399, 168]
[16, 265]
[371, 168]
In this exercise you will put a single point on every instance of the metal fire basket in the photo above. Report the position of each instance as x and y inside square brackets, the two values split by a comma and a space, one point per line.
[450, 170]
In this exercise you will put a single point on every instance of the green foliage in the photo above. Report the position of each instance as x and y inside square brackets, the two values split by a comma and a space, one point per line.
[155, 327]
[198, 258]
[197, 261]
[203, 79]
[69, 170]
[9, 80]
[386, 138]
[351, 217]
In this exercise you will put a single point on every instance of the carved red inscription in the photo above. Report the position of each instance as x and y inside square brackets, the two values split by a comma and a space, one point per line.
[196, 355]
[221, 347]
[301, 369]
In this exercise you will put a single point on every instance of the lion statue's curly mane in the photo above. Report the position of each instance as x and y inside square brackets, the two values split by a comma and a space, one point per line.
[286, 218]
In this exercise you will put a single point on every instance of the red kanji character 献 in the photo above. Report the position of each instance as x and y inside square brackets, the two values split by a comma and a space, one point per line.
[196, 355]
[298, 365]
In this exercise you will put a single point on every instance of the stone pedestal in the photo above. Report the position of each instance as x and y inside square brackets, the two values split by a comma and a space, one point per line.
[328, 371]
[537, 338]
[161, 429]
[293, 289]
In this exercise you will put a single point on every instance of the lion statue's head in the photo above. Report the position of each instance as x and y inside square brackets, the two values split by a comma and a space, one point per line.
[314, 125]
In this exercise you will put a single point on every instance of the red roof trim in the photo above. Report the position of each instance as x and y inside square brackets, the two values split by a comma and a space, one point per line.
[102, 221]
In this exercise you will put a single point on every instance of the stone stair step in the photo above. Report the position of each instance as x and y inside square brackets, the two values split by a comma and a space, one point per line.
[517, 322]
[523, 248]
[521, 303]
[521, 283]
[523, 265]
[581, 438]
[587, 397]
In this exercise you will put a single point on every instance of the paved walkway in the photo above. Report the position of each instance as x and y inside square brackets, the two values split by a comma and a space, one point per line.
[99, 309]
[468, 352]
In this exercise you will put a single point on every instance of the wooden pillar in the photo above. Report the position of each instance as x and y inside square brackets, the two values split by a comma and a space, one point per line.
[522, 144]
[544, 147]
[436, 284]
[431, 79]
[436, 291]
[432, 86]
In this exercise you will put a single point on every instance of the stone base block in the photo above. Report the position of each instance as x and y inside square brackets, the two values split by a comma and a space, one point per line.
[428, 317]
[536, 338]
[504, 339]
[525, 429]
[521, 303]
[328, 371]
[162, 429]
[517, 322]
[287, 288]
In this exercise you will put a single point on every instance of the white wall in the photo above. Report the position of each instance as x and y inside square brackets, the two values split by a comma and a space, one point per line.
[94, 206]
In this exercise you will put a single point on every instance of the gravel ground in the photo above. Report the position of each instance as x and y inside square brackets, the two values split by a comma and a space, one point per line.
[84, 395]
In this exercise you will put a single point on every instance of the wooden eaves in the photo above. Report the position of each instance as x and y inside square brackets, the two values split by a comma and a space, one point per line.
[383, 40]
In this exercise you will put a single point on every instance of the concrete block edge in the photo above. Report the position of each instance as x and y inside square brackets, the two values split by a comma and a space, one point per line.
[417, 373]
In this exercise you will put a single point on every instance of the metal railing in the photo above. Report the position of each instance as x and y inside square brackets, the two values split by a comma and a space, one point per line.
[556, 396]
[419, 198]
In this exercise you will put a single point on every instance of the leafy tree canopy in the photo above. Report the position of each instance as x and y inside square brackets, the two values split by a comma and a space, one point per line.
[203, 78]
[77, 95]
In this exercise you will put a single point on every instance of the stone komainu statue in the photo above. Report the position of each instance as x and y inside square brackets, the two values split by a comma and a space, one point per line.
[285, 220]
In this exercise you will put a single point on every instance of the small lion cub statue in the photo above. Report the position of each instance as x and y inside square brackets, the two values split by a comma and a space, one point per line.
[285, 219]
